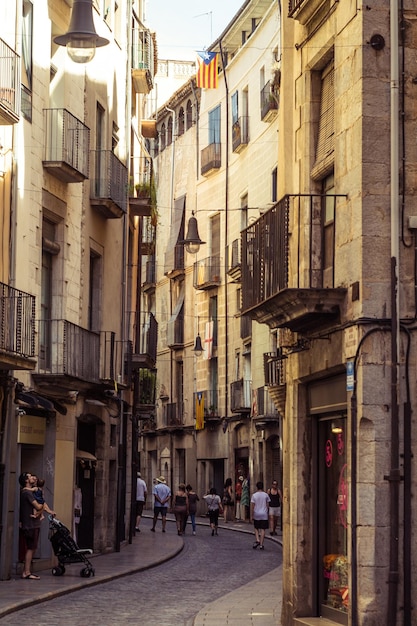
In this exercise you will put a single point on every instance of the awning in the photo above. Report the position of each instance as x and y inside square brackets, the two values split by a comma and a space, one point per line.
[86, 456]
[34, 401]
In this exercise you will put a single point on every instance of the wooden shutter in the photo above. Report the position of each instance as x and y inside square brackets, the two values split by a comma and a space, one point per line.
[325, 143]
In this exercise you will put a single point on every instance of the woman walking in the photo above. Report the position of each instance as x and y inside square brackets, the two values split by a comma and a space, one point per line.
[214, 506]
[228, 504]
[192, 507]
[180, 507]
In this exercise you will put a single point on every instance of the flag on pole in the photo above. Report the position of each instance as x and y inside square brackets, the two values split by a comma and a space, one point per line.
[199, 411]
[207, 70]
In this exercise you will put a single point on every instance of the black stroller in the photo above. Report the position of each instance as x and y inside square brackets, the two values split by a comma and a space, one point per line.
[66, 549]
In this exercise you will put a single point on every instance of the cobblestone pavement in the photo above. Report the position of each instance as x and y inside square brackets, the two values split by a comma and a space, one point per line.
[170, 594]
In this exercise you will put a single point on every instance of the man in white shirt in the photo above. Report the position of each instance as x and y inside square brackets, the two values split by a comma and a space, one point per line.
[162, 497]
[141, 493]
[259, 511]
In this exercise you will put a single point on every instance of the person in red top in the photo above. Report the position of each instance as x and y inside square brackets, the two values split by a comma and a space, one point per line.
[238, 496]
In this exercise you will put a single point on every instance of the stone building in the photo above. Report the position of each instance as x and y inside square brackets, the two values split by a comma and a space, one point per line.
[341, 286]
[216, 162]
[71, 147]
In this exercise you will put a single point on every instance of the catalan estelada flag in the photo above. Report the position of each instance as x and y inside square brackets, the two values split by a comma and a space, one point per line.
[199, 411]
[207, 70]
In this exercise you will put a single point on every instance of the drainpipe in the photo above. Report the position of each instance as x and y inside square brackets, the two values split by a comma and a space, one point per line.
[226, 226]
[394, 475]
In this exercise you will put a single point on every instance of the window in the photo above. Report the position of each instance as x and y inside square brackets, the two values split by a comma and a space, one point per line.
[163, 137]
[235, 107]
[215, 235]
[328, 230]
[214, 125]
[49, 249]
[213, 318]
[324, 161]
[27, 60]
[189, 114]
[244, 212]
[274, 185]
[181, 121]
[169, 131]
[94, 296]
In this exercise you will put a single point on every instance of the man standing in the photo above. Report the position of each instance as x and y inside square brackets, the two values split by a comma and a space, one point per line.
[29, 525]
[162, 496]
[259, 509]
[141, 493]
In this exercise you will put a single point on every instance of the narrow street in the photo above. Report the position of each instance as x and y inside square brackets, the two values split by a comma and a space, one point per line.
[169, 594]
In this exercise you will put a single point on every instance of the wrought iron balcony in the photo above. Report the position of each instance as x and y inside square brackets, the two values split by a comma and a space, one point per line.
[142, 189]
[150, 275]
[263, 405]
[173, 416]
[67, 146]
[108, 191]
[269, 102]
[145, 342]
[240, 134]
[143, 59]
[234, 261]
[69, 354]
[275, 379]
[283, 290]
[9, 85]
[240, 396]
[17, 329]
[146, 390]
[207, 273]
[211, 158]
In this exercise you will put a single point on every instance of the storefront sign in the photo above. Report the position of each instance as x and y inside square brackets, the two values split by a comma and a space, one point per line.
[31, 429]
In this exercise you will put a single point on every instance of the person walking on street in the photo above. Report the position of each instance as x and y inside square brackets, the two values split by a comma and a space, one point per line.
[180, 507]
[141, 494]
[162, 496]
[259, 510]
[192, 507]
[29, 526]
[238, 496]
[228, 504]
[214, 507]
[245, 500]
[274, 507]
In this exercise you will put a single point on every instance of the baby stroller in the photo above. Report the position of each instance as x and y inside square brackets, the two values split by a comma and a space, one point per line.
[66, 550]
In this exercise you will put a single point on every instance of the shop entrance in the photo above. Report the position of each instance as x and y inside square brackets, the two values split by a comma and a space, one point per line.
[85, 480]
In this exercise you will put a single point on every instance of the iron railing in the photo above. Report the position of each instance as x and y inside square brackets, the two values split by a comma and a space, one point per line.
[68, 350]
[264, 405]
[240, 396]
[9, 83]
[67, 140]
[240, 133]
[211, 158]
[146, 335]
[234, 257]
[206, 272]
[269, 101]
[17, 321]
[274, 369]
[143, 55]
[109, 178]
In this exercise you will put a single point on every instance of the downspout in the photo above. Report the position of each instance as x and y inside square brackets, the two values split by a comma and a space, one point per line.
[394, 475]
[122, 450]
[226, 226]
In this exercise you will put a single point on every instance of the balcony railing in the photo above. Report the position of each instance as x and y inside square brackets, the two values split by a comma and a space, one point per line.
[71, 352]
[285, 287]
[17, 327]
[173, 414]
[269, 102]
[150, 274]
[274, 369]
[9, 85]
[265, 247]
[143, 59]
[142, 188]
[67, 146]
[234, 260]
[145, 340]
[146, 389]
[206, 273]
[108, 191]
[240, 396]
[240, 134]
[304, 10]
[211, 158]
[263, 404]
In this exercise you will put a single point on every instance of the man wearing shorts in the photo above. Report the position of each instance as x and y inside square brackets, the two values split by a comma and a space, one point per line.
[141, 493]
[162, 496]
[259, 510]
[29, 525]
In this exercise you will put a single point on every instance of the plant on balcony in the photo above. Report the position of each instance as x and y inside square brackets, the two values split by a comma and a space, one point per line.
[147, 386]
